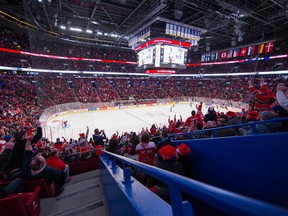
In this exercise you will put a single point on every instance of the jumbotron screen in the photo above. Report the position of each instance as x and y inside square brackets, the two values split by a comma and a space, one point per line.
[162, 56]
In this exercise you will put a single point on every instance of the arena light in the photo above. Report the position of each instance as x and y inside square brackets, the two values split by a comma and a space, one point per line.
[143, 74]
[62, 27]
[89, 31]
[99, 33]
[75, 29]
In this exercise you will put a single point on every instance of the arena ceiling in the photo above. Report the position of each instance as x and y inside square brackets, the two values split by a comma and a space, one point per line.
[112, 21]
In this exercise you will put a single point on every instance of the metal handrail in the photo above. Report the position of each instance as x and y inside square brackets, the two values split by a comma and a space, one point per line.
[213, 130]
[222, 199]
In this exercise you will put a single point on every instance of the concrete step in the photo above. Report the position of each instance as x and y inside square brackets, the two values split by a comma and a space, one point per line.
[95, 207]
[84, 176]
[83, 195]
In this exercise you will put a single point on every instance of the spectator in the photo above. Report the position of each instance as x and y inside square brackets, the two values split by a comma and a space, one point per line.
[99, 137]
[281, 95]
[223, 121]
[211, 115]
[57, 163]
[165, 140]
[167, 162]
[14, 167]
[146, 149]
[134, 141]
[194, 119]
[34, 167]
[265, 127]
[182, 153]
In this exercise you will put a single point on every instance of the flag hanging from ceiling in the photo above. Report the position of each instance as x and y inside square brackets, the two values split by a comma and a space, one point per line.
[243, 51]
[207, 57]
[251, 50]
[269, 47]
[212, 56]
[223, 55]
[229, 54]
[236, 52]
[202, 58]
[167, 28]
[260, 48]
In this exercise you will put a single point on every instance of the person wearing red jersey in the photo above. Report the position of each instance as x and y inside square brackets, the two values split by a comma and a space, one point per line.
[199, 107]
[146, 149]
[193, 119]
[153, 130]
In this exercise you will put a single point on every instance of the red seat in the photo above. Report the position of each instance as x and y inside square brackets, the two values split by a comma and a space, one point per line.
[21, 204]
[45, 190]
[84, 166]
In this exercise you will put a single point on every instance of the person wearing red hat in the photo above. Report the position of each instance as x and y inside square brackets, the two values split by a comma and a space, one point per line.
[182, 153]
[169, 163]
[252, 116]
[83, 145]
[233, 118]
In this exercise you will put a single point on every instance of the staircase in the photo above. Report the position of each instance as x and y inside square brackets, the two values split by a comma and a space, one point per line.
[82, 196]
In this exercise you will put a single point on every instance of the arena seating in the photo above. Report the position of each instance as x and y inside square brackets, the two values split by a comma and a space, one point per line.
[27, 203]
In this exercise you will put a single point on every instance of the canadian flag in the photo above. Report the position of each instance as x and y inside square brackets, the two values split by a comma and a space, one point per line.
[269, 47]
[223, 55]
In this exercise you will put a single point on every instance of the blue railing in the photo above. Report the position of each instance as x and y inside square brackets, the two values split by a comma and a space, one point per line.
[252, 125]
[223, 200]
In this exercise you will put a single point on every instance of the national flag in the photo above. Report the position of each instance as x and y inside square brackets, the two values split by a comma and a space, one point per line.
[260, 48]
[170, 29]
[223, 55]
[186, 33]
[167, 28]
[212, 56]
[251, 50]
[207, 57]
[178, 31]
[202, 58]
[182, 32]
[236, 52]
[269, 47]
[229, 54]
[217, 56]
[243, 51]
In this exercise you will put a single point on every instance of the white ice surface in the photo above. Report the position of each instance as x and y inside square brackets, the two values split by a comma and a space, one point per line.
[121, 120]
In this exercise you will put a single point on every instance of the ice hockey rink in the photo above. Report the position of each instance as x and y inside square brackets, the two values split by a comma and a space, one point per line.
[121, 120]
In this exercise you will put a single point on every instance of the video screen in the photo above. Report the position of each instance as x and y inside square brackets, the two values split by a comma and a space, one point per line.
[162, 56]
[145, 56]
[173, 54]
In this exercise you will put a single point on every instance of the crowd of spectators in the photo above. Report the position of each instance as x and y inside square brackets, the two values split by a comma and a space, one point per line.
[23, 97]
[17, 40]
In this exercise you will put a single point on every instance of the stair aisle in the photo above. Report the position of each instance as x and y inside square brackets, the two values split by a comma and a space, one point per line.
[82, 196]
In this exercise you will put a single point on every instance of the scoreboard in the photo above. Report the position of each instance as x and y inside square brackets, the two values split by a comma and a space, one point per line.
[162, 53]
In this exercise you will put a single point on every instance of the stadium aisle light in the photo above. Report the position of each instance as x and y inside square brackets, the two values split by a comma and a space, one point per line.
[89, 31]
[75, 29]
